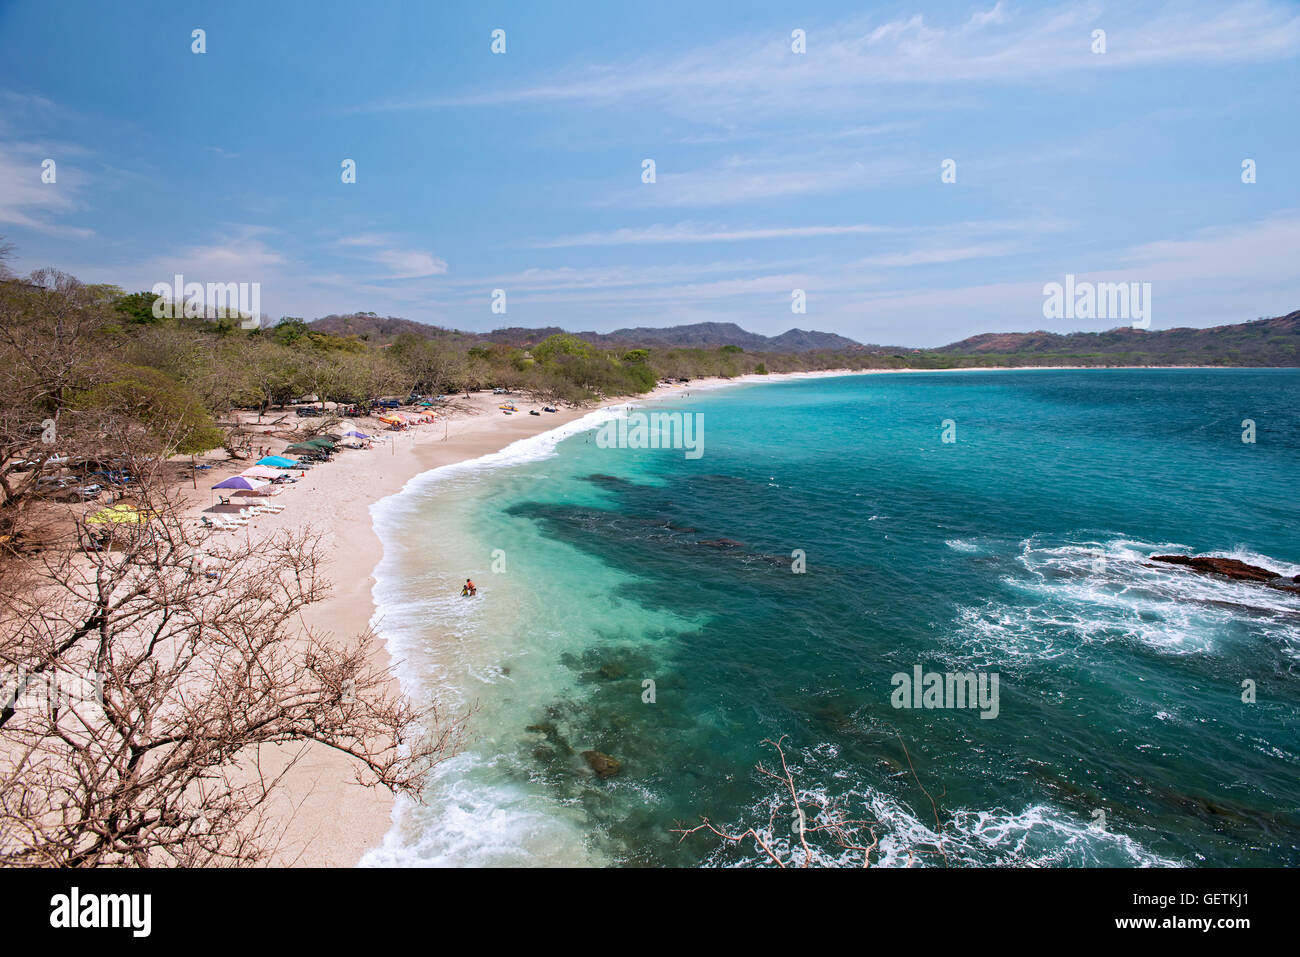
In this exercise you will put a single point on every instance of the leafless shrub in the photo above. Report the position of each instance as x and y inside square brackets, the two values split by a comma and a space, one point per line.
[200, 661]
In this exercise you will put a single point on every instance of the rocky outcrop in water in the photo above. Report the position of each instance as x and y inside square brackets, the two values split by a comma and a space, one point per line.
[1231, 568]
[602, 763]
[724, 543]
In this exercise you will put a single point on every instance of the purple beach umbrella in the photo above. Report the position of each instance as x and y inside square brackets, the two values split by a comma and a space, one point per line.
[241, 481]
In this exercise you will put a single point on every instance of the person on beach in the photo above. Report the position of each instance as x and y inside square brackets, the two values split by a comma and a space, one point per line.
[469, 589]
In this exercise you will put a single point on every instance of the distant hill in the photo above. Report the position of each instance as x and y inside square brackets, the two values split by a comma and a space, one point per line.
[382, 329]
[712, 335]
[700, 335]
[1260, 342]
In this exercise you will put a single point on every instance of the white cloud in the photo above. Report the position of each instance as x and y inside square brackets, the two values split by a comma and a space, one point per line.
[410, 263]
[1220, 275]
[240, 258]
[740, 179]
[400, 263]
[1268, 250]
[687, 232]
[925, 257]
[748, 73]
[25, 200]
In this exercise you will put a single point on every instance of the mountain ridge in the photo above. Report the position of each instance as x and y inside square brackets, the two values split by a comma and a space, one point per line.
[1264, 341]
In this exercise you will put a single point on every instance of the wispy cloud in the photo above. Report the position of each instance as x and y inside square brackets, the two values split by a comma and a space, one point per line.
[401, 263]
[1259, 250]
[742, 179]
[687, 232]
[950, 254]
[1210, 275]
[994, 45]
[26, 200]
[241, 256]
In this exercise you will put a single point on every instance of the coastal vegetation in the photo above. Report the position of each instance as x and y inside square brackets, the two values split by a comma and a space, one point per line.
[157, 684]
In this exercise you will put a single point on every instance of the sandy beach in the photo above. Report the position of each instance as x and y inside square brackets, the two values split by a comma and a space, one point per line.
[322, 816]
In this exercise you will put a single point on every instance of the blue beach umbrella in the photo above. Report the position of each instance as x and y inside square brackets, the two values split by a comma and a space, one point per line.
[278, 461]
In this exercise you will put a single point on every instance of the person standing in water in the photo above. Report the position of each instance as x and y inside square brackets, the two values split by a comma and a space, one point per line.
[470, 588]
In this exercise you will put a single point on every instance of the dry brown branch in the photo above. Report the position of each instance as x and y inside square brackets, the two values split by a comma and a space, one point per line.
[827, 820]
[810, 815]
[144, 677]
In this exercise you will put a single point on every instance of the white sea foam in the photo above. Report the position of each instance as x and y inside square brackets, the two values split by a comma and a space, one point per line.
[1040, 835]
[1095, 591]
[479, 821]
[530, 449]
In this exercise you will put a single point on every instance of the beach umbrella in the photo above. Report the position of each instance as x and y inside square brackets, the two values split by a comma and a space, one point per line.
[278, 461]
[358, 435]
[257, 491]
[321, 443]
[261, 471]
[120, 514]
[241, 481]
[303, 447]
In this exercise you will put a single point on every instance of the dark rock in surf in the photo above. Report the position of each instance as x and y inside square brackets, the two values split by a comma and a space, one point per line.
[602, 763]
[726, 543]
[1230, 568]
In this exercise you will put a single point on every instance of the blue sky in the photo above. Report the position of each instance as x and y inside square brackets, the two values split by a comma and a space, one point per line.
[775, 171]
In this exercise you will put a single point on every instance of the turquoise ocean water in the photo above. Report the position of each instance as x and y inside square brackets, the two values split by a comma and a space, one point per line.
[1021, 548]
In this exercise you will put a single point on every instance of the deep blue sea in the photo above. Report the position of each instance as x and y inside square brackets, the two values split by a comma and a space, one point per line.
[1019, 548]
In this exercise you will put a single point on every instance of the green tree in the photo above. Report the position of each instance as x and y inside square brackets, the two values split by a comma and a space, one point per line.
[137, 308]
[168, 415]
[289, 330]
